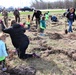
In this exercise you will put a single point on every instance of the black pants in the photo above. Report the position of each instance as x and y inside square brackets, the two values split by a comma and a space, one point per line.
[28, 26]
[17, 18]
[41, 30]
[37, 22]
[3, 63]
[21, 51]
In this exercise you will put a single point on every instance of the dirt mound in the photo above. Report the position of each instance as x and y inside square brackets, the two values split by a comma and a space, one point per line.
[35, 38]
[33, 29]
[74, 29]
[72, 36]
[22, 70]
[53, 22]
[56, 24]
[71, 54]
[55, 36]
[3, 73]
[42, 48]
[35, 34]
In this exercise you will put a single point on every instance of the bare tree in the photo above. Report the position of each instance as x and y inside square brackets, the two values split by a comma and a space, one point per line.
[40, 4]
[74, 3]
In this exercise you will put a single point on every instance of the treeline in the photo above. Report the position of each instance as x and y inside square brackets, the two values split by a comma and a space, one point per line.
[40, 4]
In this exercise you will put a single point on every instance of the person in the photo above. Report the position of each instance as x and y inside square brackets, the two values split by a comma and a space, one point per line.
[54, 19]
[28, 22]
[71, 17]
[3, 52]
[48, 13]
[5, 14]
[67, 11]
[46, 16]
[17, 15]
[42, 26]
[37, 14]
[19, 40]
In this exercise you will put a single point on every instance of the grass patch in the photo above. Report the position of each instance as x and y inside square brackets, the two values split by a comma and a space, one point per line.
[29, 13]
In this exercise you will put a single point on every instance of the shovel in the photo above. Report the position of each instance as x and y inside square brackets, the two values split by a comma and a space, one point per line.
[66, 31]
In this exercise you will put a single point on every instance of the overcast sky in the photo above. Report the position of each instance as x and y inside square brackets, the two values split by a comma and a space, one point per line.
[18, 3]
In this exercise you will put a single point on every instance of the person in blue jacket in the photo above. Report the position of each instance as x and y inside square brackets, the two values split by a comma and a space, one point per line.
[3, 52]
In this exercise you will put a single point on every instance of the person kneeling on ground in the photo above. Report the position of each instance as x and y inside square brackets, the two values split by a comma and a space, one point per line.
[54, 19]
[42, 26]
[19, 40]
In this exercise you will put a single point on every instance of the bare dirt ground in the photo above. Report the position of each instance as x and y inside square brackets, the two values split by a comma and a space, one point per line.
[56, 49]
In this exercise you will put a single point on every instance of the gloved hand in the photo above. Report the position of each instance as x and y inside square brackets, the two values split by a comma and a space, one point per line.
[1, 22]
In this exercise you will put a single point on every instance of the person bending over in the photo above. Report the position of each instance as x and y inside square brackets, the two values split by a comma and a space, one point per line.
[19, 40]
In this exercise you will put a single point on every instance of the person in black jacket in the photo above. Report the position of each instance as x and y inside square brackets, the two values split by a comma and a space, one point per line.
[19, 40]
[37, 14]
[17, 15]
[71, 18]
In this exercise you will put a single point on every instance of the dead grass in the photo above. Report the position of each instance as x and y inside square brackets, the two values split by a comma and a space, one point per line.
[54, 64]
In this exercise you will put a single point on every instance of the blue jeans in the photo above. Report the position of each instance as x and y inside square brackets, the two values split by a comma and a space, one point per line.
[70, 26]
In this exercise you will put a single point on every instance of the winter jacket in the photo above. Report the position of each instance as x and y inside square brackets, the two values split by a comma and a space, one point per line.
[17, 35]
[71, 16]
[37, 14]
[54, 18]
[5, 13]
[16, 13]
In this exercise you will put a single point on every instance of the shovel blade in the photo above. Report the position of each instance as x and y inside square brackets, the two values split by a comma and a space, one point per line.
[66, 31]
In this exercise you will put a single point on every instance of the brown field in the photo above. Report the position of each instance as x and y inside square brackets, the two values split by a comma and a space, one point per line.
[50, 63]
